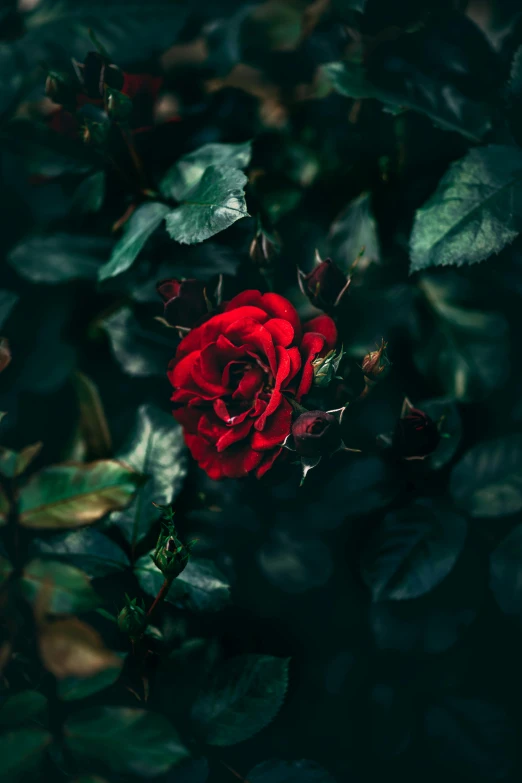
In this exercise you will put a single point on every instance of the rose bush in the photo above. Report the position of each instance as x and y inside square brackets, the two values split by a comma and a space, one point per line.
[234, 376]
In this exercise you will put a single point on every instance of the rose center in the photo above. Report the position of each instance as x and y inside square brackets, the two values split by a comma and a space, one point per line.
[317, 427]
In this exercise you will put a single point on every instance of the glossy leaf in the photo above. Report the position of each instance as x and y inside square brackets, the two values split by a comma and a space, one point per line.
[506, 572]
[88, 549]
[140, 352]
[189, 169]
[57, 588]
[212, 205]
[277, 771]
[475, 212]
[156, 449]
[13, 463]
[21, 752]
[200, 586]
[65, 496]
[242, 697]
[22, 707]
[92, 425]
[139, 227]
[412, 551]
[487, 482]
[124, 740]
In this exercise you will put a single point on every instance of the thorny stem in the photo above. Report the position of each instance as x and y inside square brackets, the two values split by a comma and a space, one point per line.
[164, 589]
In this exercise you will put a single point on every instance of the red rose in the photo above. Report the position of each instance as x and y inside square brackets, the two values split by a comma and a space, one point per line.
[232, 377]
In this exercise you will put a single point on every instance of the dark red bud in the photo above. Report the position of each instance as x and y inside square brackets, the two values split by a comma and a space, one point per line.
[324, 285]
[316, 433]
[416, 435]
[186, 302]
[376, 364]
[263, 250]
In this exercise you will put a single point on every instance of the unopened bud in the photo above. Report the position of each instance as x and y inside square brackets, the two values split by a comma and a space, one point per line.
[326, 367]
[171, 555]
[263, 249]
[376, 364]
[416, 435]
[132, 619]
[325, 285]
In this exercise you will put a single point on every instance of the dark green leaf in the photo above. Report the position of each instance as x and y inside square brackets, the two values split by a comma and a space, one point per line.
[8, 299]
[189, 170]
[89, 195]
[65, 496]
[59, 258]
[201, 586]
[242, 697]
[6, 569]
[87, 549]
[57, 588]
[475, 211]
[277, 771]
[21, 708]
[140, 352]
[412, 551]
[445, 106]
[354, 229]
[157, 450]
[466, 350]
[487, 482]
[73, 688]
[21, 752]
[139, 227]
[506, 572]
[445, 412]
[212, 205]
[13, 463]
[124, 740]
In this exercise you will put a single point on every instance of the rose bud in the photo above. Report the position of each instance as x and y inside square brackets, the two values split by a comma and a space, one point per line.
[132, 619]
[170, 555]
[263, 249]
[376, 364]
[416, 435]
[316, 434]
[95, 72]
[186, 302]
[325, 285]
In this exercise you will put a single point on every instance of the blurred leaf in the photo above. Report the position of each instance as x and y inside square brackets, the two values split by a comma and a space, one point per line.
[22, 707]
[466, 350]
[354, 229]
[13, 463]
[90, 194]
[201, 585]
[189, 170]
[60, 257]
[6, 569]
[124, 740]
[487, 482]
[156, 450]
[21, 752]
[475, 211]
[57, 588]
[441, 102]
[89, 779]
[277, 771]
[87, 549]
[74, 688]
[138, 228]
[93, 423]
[140, 352]
[212, 205]
[295, 563]
[243, 695]
[8, 299]
[4, 507]
[76, 655]
[412, 551]
[445, 412]
[65, 496]
[506, 572]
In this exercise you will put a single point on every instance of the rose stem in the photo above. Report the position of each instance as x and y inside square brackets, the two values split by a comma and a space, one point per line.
[161, 594]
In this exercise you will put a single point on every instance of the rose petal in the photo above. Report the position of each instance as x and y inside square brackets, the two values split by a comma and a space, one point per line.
[277, 428]
[282, 331]
[311, 346]
[324, 325]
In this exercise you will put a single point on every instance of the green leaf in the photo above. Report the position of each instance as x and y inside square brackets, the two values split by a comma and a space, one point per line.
[21, 752]
[189, 169]
[242, 697]
[212, 205]
[445, 412]
[201, 585]
[156, 449]
[65, 496]
[124, 740]
[354, 229]
[277, 771]
[60, 257]
[442, 103]
[87, 549]
[139, 227]
[412, 551]
[140, 352]
[74, 688]
[466, 350]
[57, 588]
[13, 463]
[90, 194]
[475, 211]
[8, 299]
[6, 569]
[487, 482]
[22, 707]
[506, 572]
